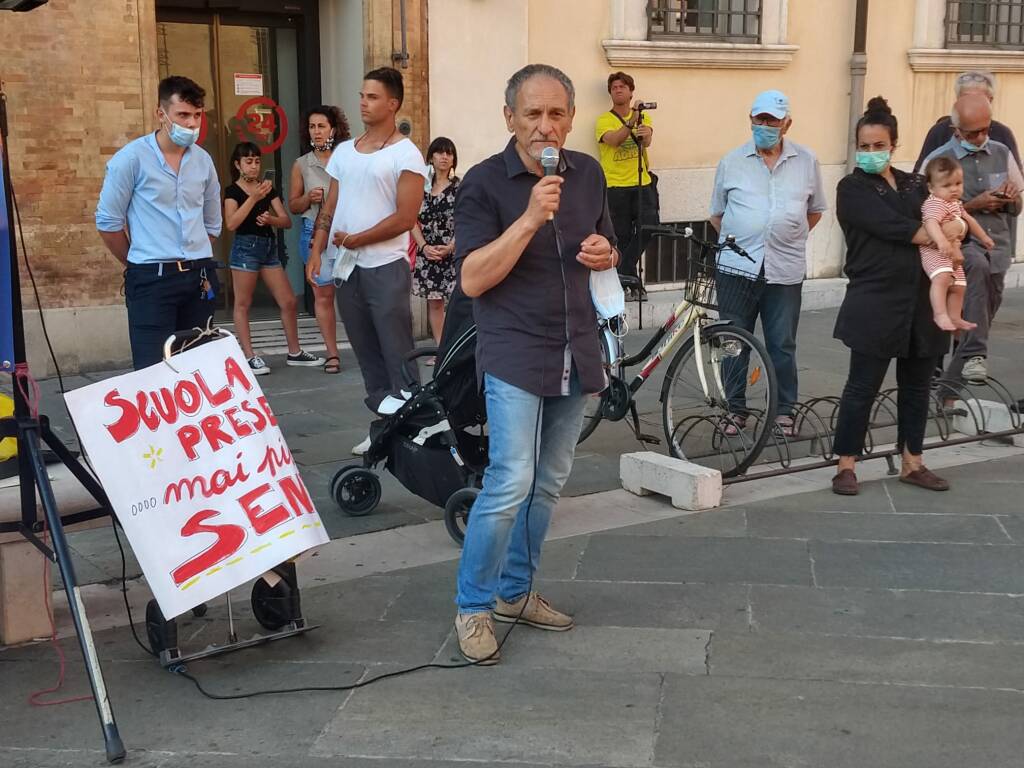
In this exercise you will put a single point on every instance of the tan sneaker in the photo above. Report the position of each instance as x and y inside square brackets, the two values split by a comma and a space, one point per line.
[476, 638]
[537, 613]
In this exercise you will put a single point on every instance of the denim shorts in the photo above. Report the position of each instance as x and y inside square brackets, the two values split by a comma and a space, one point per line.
[251, 253]
[326, 264]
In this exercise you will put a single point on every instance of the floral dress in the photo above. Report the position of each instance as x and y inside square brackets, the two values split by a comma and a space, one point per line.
[436, 279]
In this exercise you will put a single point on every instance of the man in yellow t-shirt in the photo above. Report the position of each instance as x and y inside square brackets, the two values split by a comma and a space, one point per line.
[618, 133]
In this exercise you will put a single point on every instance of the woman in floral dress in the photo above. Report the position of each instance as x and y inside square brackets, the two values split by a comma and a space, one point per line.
[434, 275]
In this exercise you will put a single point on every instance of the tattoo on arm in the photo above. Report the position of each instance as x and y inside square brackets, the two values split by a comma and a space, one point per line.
[323, 221]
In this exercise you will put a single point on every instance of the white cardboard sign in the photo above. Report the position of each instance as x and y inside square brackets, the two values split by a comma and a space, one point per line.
[197, 472]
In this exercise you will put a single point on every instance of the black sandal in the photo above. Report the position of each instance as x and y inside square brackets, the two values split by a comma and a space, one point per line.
[334, 367]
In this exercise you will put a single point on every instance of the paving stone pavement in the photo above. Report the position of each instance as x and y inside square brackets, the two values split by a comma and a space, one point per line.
[806, 630]
[323, 417]
[802, 630]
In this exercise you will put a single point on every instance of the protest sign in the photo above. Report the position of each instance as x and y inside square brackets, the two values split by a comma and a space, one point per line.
[198, 473]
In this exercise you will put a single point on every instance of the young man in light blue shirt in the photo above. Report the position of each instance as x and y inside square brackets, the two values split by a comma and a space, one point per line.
[768, 194]
[158, 213]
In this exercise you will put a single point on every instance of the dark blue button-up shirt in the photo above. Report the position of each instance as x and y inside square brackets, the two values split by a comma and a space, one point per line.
[539, 321]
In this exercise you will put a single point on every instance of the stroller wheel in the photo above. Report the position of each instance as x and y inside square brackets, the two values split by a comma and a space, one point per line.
[456, 512]
[357, 491]
[338, 475]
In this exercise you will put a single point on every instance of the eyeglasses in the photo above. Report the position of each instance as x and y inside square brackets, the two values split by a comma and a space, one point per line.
[975, 133]
[775, 122]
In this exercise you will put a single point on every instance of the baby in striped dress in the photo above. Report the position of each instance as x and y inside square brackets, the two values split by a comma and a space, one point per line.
[943, 261]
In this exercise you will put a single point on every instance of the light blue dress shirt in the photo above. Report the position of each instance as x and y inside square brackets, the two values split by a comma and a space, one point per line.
[169, 216]
[766, 210]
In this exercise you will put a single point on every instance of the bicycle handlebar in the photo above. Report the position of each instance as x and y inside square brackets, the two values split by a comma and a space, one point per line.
[729, 242]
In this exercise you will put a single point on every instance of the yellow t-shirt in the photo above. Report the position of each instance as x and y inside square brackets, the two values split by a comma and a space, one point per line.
[619, 163]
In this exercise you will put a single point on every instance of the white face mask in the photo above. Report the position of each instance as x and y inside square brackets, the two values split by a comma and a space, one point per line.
[180, 135]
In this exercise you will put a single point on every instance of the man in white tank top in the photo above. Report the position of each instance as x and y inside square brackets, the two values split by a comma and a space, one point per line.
[375, 195]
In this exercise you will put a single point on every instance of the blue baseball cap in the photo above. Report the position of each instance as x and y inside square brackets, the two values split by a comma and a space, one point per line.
[772, 103]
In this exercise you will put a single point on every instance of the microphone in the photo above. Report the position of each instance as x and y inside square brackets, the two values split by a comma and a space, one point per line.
[549, 161]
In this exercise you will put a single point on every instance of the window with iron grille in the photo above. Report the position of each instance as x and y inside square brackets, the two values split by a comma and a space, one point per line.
[666, 258]
[733, 21]
[985, 24]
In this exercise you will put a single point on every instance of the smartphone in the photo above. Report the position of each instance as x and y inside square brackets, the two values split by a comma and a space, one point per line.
[269, 175]
[1001, 195]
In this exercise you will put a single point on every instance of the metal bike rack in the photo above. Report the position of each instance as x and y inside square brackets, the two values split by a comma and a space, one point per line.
[815, 421]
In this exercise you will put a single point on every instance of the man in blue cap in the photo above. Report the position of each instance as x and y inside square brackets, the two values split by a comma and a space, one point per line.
[768, 194]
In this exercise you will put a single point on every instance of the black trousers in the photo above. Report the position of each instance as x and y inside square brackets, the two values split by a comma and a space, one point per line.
[626, 219]
[913, 377]
[162, 301]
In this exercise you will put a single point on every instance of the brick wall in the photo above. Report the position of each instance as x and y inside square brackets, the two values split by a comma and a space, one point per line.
[382, 34]
[80, 79]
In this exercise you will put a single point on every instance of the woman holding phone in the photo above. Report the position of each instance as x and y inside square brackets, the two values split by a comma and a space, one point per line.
[309, 184]
[252, 210]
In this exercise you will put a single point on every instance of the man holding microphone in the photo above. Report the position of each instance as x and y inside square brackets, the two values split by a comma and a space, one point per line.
[526, 244]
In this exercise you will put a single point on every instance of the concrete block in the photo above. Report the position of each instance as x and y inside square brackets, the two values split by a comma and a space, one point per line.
[689, 486]
[23, 587]
[23, 614]
[989, 415]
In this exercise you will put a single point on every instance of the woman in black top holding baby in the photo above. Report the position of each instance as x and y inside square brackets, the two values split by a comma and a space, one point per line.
[252, 210]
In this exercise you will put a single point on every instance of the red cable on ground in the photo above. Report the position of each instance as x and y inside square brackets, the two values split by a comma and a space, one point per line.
[34, 698]
[28, 387]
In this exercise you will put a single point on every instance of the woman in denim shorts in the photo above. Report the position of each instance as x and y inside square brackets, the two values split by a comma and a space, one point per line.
[252, 210]
[309, 184]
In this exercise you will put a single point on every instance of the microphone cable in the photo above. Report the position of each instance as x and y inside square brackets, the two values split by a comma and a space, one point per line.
[181, 669]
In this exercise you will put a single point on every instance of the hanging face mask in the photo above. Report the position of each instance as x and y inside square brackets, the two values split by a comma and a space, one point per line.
[322, 147]
[873, 162]
[180, 135]
[766, 136]
[973, 147]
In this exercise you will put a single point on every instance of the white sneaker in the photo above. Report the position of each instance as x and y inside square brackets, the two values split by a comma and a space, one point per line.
[258, 366]
[975, 370]
[363, 447]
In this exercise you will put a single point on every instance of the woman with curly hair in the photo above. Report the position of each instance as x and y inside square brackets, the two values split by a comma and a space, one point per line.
[327, 128]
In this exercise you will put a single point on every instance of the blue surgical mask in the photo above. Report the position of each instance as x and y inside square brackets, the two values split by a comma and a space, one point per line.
[766, 136]
[180, 135]
[973, 147]
[874, 162]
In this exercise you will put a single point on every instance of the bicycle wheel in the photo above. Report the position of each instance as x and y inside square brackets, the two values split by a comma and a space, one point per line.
[594, 410]
[722, 419]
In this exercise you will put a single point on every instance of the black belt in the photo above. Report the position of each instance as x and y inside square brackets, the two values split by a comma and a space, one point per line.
[172, 267]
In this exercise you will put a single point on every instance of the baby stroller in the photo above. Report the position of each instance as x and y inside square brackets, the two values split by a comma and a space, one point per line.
[436, 442]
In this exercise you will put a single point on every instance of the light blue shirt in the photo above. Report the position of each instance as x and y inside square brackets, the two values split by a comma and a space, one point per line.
[169, 216]
[766, 210]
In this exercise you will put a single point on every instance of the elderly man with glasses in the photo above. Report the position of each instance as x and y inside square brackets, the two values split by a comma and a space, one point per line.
[992, 194]
[967, 84]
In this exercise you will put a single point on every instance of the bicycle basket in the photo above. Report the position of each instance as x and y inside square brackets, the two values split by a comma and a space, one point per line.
[714, 286]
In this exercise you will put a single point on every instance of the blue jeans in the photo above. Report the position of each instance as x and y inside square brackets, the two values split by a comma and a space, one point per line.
[779, 308]
[326, 264]
[496, 557]
[251, 253]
